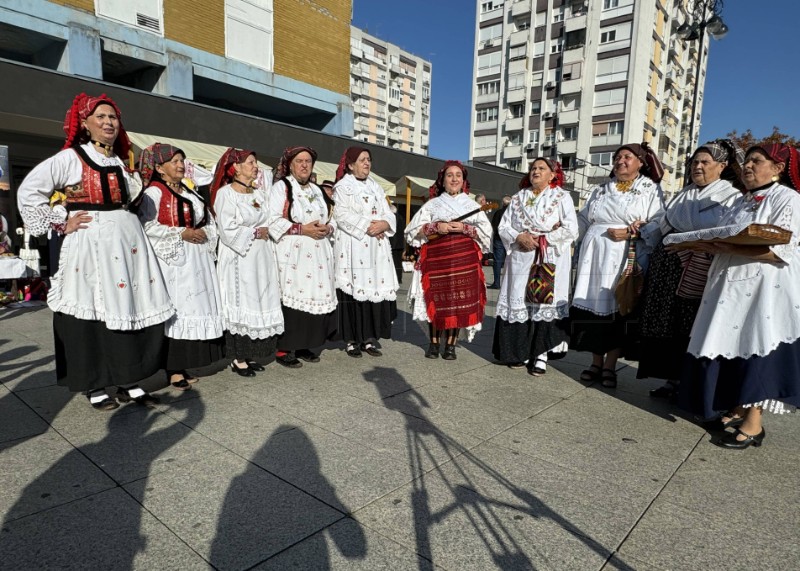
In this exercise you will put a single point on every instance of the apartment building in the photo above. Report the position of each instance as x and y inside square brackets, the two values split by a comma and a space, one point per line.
[286, 60]
[391, 94]
[574, 79]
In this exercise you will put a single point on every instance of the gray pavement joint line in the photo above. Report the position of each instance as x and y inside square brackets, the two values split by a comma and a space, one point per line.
[655, 497]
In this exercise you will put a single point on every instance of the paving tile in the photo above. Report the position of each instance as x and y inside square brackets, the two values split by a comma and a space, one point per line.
[109, 530]
[346, 546]
[232, 512]
[17, 420]
[44, 472]
[672, 537]
[342, 473]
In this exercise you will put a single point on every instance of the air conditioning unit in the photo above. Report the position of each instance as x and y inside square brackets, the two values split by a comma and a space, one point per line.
[531, 148]
[549, 85]
[547, 116]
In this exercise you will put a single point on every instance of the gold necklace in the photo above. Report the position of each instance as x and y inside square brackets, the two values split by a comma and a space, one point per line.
[624, 185]
[107, 150]
[176, 186]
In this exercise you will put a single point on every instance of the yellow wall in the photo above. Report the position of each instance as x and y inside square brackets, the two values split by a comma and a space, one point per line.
[87, 5]
[196, 23]
[312, 42]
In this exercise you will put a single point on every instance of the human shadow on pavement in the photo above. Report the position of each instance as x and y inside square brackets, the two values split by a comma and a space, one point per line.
[76, 514]
[481, 511]
[256, 523]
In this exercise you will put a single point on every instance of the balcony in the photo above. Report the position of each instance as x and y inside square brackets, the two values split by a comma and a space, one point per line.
[355, 89]
[569, 117]
[512, 151]
[520, 8]
[492, 14]
[394, 119]
[571, 86]
[573, 55]
[598, 140]
[395, 69]
[514, 124]
[394, 102]
[576, 23]
[517, 66]
[516, 95]
[519, 37]
[486, 125]
[569, 147]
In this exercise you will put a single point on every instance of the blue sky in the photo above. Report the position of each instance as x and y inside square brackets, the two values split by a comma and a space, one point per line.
[752, 75]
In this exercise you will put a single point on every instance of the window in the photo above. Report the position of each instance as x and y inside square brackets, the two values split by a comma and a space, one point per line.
[615, 127]
[601, 159]
[609, 36]
[486, 142]
[488, 88]
[490, 33]
[514, 164]
[612, 69]
[533, 137]
[570, 133]
[487, 6]
[485, 115]
[247, 24]
[536, 78]
[578, 7]
[607, 4]
[556, 46]
[570, 102]
[609, 97]
[394, 92]
[520, 25]
[516, 81]
[515, 138]
[538, 49]
[576, 39]
[426, 92]
[536, 107]
[489, 63]
[567, 162]
[517, 110]
[571, 71]
[558, 15]
[541, 19]
[517, 52]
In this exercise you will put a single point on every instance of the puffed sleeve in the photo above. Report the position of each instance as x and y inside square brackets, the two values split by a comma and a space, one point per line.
[480, 230]
[785, 212]
[235, 236]
[346, 212]
[562, 237]
[415, 235]
[166, 240]
[33, 195]
[585, 213]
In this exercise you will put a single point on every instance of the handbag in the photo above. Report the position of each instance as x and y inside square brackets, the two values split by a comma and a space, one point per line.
[630, 284]
[542, 277]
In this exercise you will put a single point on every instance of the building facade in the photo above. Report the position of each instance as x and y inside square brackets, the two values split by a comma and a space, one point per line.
[391, 94]
[266, 58]
[574, 79]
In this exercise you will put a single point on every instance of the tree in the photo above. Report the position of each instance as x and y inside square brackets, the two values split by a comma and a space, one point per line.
[747, 139]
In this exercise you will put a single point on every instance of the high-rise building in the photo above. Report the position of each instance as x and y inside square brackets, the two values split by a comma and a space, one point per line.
[391, 93]
[286, 60]
[574, 79]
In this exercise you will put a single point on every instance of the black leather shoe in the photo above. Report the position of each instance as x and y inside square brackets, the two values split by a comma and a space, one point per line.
[732, 422]
[663, 392]
[730, 441]
[146, 399]
[306, 356]
[289, 361]
[449, 353]
[433, 351]
[353, 351]
[258, 367]
[244, 372]
[106, 403]
[372, 351]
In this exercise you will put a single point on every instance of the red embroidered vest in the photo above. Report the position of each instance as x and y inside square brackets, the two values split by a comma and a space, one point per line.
[175, 210]
[101, 187]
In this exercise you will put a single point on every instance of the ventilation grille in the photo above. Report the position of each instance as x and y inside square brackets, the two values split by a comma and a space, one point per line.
[148, 22]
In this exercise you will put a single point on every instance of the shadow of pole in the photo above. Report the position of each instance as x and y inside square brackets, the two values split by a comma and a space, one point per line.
[478, 509]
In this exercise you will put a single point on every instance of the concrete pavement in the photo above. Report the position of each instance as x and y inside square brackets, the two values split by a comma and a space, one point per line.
[392, 463]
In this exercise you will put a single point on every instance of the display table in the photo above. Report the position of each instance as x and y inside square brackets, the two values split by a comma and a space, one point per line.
[13, 268]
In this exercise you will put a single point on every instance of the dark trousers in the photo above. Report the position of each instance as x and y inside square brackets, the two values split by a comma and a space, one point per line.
[499, 253]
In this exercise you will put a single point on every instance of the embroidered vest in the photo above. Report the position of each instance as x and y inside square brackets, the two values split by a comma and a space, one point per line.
[101, 187]
[175, 210]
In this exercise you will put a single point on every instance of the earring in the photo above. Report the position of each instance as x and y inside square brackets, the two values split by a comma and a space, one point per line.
[775, 178]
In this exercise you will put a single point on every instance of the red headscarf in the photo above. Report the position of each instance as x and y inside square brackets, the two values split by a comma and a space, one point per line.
[780, 153]
[438, 187]
[82, 107]
[348, 158]
[152, 156]
[554, 166]
[289, 153]
[225, 171]
[651, 166]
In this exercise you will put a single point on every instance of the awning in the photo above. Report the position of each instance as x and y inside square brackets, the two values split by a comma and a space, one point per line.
[419, 186]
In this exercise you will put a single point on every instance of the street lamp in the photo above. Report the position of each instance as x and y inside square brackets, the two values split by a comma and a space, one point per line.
[706, 16]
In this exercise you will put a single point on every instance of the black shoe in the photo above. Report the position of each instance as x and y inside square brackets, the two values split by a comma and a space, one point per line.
[289, 360]
[372, 351]
[107, 403]
[258, 367]
[353, 350]
[493, 286]
[733, 421]
[449, 353]
[244, 372]
[306, 356]
[730, 441]
[146, 399]
[433, 351]
[663, 392]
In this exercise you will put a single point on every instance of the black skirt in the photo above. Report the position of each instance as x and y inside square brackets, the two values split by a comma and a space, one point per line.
[303, 330]
[600, 334]
[191, 354]
[525, 341]
[666, 319]
[361, 321]
[89, 356]
[242, 348]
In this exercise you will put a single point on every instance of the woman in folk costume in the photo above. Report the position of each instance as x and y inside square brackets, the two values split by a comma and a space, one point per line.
[675, 281]
[366, 283]
[184, 237]
[248, 274]
[108, 298]
[744, 352]
[448, 289]
[539, 225]
[302, 224]
[615, 213]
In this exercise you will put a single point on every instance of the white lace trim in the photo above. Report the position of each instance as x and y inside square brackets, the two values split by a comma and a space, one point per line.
[254, 324]
[314, 307]
[532, 313]
[375, 296]
[194, 328]
[38, 219]
[170, 247]
[773, 406]
[256, 333]
[115, 322]
[762, 352]
[591, 309]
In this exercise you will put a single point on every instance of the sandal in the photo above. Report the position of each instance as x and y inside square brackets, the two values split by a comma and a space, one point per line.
[180, 384]
[101, 401]
[539, 368]
[591, 374]
[609, 379]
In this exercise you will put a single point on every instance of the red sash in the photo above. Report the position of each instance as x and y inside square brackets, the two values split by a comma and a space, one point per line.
[452, 281]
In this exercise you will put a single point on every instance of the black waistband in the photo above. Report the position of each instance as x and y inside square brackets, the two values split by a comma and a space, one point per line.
[74, 206]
